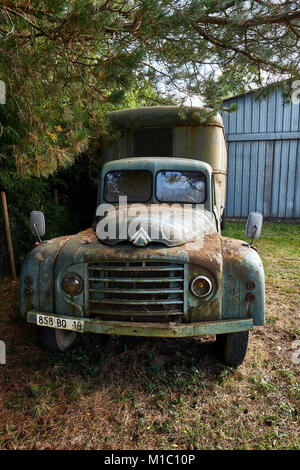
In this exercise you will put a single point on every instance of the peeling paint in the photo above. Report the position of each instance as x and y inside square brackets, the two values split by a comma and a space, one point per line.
[232, 268]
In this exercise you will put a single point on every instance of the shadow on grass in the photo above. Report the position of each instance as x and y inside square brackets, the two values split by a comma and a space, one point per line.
[146, 363]
[156, 366]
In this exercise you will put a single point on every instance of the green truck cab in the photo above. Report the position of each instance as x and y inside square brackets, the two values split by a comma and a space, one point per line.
[155, 263]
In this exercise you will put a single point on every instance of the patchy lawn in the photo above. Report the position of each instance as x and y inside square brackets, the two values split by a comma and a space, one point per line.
[135, 393]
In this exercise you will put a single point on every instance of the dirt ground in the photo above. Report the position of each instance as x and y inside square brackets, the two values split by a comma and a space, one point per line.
[139, 393]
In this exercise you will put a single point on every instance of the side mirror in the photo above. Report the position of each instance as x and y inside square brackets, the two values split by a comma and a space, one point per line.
[254, 225]
[37, 223]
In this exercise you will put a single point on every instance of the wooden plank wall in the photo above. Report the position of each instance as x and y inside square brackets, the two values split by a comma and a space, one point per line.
[263, 138]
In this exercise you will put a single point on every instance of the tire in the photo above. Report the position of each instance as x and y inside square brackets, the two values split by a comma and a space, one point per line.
[232, 347]
[56, 340]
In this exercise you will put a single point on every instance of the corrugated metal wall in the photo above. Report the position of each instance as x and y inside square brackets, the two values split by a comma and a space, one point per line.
[263, 138]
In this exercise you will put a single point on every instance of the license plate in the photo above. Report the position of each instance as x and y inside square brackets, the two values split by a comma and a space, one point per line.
[60, 323]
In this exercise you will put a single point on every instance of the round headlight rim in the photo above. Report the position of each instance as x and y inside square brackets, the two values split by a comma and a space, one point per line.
[206, 278]
[78, 278]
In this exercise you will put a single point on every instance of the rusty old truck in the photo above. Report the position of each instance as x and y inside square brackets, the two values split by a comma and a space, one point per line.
[178, 278]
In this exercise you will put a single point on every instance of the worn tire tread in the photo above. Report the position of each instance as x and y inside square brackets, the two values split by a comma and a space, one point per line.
[48, 339]
[232, 347]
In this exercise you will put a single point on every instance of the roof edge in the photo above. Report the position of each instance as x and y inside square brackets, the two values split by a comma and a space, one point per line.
[165, 116]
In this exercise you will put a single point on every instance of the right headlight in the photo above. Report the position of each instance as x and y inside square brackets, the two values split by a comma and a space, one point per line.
[201, 286]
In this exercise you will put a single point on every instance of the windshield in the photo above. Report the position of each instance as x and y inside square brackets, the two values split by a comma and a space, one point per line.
[180, 186]
[135, 184]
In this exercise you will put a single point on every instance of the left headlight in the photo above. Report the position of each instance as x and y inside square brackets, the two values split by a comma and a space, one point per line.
[201, 286]
[72, 284]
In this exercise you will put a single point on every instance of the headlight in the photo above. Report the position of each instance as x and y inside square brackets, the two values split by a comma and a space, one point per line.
[72, 284]
[201, 286]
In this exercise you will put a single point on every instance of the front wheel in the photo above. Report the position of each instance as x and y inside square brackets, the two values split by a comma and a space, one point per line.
[232, 347]
[56, 340]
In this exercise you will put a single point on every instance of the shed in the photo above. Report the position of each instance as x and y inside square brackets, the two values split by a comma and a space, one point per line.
[263, 138]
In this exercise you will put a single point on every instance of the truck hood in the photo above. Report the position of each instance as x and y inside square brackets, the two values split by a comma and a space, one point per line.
[84, 247]
[48, 263]
[169, 224]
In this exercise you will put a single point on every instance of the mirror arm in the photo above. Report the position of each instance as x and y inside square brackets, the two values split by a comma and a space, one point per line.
[37, 233]
[255, 227]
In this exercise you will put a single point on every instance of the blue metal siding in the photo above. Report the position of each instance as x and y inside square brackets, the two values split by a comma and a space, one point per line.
[263, 139]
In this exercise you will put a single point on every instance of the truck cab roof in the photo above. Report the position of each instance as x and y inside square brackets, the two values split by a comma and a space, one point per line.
[155, 164]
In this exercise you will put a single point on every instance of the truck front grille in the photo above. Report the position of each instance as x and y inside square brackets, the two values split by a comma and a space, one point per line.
[136, 290]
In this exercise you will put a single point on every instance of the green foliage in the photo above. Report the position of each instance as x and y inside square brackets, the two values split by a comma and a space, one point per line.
[65, 64]
[27, 194]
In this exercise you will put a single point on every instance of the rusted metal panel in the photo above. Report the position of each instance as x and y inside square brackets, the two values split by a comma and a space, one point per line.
[39, 266]
[242, 267]
[227, 262]
[166, 330]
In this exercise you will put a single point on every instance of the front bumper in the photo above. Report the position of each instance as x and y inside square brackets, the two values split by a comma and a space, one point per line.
[167, 330]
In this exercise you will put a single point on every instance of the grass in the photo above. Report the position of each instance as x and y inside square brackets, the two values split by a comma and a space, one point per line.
[139, 393]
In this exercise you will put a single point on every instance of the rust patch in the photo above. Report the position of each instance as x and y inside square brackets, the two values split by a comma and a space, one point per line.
[87, 236]
[206, 259]
[208, 255]
[60, 245]
[234, 252]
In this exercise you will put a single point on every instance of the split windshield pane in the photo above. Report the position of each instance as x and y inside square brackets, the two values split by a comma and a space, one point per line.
[135, 184]
[180, 186]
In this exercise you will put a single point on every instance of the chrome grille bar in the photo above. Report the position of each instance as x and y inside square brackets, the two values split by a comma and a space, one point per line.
[136, 289]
